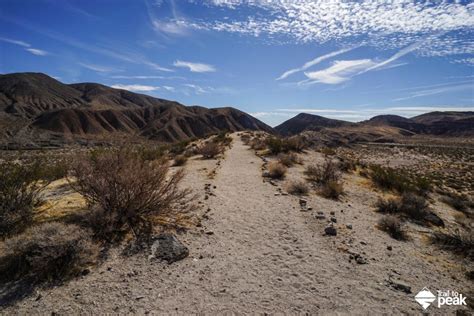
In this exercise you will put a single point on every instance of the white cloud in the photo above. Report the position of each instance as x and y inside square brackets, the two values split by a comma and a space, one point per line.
[195, 67]
[135, 87]
[313, 62]
[196, 88]
[340, 71]
[440, 90]
[15, 42]
[98, 68]
[173, 27]
[37, 52]
[391, 24]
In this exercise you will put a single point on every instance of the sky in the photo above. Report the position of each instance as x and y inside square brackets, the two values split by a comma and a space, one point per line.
[348, 60]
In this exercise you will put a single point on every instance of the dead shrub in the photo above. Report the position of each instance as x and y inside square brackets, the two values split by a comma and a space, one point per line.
[180, 160]
[331, 189]
[276, 170]
[324, 174]
[20, 191]
[257, 144]
[457, 242]
[297, 188]
[459, 202]
[127, 191]
[49, 252]
[393, 226]
[288, 159]
[209, 150]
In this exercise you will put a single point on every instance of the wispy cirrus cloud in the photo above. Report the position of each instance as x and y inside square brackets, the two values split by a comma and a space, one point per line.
[135, 87]
[438, 90]
[195, 67]
[99, 68]
[314, 62]
[26, 46]
[338, 72]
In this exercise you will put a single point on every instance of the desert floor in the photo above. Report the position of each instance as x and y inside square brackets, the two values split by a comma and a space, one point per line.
[257, 252]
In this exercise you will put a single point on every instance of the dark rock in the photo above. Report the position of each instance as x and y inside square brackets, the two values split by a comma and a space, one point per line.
[434, 219]
[330, 231]
[167, 247]
[333, 219]
[320, 216]
[349, 226]
[389, 248]
[400, 286]
[332, 213]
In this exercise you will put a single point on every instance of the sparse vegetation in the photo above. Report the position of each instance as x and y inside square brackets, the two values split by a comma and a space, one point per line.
[323, 174]
[411, 206]
[288, 159]
[49, 252]
[276, 170]
[388, 178]
[297, 188]
[210, 150]
[461, 243]
[180, 160]
[459, 202]
[393, 226]
[331, 189]
[127, 192]
[20, 192]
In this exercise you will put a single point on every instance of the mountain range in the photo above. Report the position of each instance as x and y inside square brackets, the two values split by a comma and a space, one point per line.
[35, 108]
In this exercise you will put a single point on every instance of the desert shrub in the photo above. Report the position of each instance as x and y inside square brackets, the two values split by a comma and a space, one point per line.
[49, 252]
[461, 243]
[209, 150]
[288, 159]
[180, 160]
[222, 138]
[275, 145]
[331, 189]
[393, 226]
[148, 153]
[127, 191]
[459, 202]
[393, 179]
[323, 174]
[257, 144]
[297, 188]
[295, 143]
[389, 206]
[327, 151]
[20, 191]
[414, 206]
[276, 170]
[389, 179]
[178, 148]
[346, 164]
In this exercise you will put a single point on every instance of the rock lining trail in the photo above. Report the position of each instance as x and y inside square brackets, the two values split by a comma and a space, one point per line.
[256, 253]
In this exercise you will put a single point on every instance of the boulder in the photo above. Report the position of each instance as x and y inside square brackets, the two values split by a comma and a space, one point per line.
[167, 247]
[330, 231]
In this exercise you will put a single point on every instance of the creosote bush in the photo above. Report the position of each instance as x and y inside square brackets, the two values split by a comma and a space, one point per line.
[126, 192]
[180, 160]
[297, 188]
[323, 174]
[283, 145]
[393, 226]
[276, 170]
[210, 150]
[331, 189]
[288, 159]
[388, 178]
[48, 252]
[20, 191]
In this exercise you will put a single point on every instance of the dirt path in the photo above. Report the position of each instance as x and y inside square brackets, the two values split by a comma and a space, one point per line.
[256, 253]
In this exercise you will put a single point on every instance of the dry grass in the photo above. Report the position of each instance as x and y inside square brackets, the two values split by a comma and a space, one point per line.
[210, 150]
[393, 226]
[331, 189]
[461, 243]
[49, 252]
[297, 188]
[126, 191]
[276, 170]
[288, 159]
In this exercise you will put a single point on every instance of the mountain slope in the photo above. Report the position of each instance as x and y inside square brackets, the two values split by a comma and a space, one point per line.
[395, 121]
[307, 122]
[90, 109]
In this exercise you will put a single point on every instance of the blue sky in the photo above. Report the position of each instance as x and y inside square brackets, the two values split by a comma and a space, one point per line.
[273, 59]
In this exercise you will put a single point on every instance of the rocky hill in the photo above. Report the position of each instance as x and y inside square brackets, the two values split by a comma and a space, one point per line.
[36, 104]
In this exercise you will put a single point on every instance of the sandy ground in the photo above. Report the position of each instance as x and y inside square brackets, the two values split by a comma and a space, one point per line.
[257, 252]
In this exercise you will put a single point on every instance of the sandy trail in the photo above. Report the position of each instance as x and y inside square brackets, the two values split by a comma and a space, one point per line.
[256, 253]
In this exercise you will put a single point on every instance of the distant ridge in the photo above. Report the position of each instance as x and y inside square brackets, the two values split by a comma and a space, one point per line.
[37, 102]
[433, 123]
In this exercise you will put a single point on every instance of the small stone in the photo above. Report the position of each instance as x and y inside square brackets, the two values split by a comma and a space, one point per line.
[400, 286]
[332, 213]
[361, 260]
[389, 248]
[330, 231]
[319, 216]
[349, 226]
[302, 202]
[277, 194]
[310, 208]
[210, 233]
[333, 219]
[167, 247]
